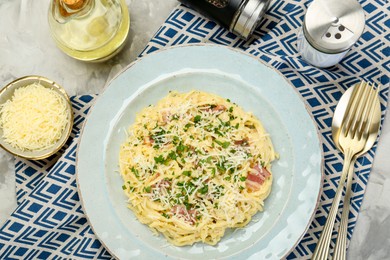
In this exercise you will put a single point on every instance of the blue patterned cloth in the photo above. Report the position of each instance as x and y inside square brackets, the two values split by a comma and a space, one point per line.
[49, 221]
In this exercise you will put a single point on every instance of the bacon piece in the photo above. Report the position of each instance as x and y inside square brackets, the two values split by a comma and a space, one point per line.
[255, 180]
[218, 108]
[178, 210]
[165, 117]
[262, 171]
[148, 140]
[182, 212]
[162, 184]
[243, 142]
[154, 177]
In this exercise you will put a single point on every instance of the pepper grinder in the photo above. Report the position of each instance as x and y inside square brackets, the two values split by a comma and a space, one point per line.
[329, 30]
[239, 16]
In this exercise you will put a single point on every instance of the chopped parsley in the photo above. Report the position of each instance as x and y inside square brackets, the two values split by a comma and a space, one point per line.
[187, 126]
[188, 205]
[158, 136]
[197, 119]
[172, 155]
[187, 173]
[216, 130]
[135, 171]
[221, 166]
[176, 140]
[160, 159]
[223, 144]
[204, 189]
[243, 178]
[181, 148]
[165, 215]
[213, 172]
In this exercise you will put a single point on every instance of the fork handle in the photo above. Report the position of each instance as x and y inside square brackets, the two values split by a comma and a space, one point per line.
[321, 251]
[340, 251]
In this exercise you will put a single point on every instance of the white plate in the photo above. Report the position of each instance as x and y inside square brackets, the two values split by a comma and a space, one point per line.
[230, 74]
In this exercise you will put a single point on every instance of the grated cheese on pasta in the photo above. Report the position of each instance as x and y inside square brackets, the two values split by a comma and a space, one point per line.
[194, 165]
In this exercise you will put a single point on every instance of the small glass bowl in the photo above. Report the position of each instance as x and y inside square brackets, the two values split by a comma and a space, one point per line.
[7, 92]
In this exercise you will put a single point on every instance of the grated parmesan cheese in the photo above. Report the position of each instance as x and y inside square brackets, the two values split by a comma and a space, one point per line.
[187, 161]
[34, 118]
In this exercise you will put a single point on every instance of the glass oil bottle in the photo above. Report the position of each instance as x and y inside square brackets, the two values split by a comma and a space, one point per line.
[89, 30]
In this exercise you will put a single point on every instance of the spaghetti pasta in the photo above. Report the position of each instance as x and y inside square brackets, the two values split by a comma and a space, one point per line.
[195, 165]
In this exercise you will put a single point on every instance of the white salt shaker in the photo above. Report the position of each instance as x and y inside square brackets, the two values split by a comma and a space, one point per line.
[329, 30]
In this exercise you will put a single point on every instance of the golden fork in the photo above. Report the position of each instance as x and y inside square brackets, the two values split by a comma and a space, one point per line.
[371, 125]
[351, 137]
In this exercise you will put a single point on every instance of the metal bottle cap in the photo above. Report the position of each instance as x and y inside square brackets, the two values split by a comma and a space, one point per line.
[333, 26]
[249, 17]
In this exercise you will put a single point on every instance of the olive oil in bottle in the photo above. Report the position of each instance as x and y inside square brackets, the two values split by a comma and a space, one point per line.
[89, 30]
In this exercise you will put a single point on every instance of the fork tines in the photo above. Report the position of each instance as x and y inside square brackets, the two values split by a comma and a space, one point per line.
[360, 110]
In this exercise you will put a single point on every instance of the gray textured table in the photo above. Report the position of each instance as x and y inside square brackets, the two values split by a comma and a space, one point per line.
[26, 48]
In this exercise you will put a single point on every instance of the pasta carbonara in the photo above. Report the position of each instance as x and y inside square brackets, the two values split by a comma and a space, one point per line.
[195, 165]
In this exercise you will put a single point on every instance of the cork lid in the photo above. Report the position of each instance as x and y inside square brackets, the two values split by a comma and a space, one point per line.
[74, 4]
[69, 7]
